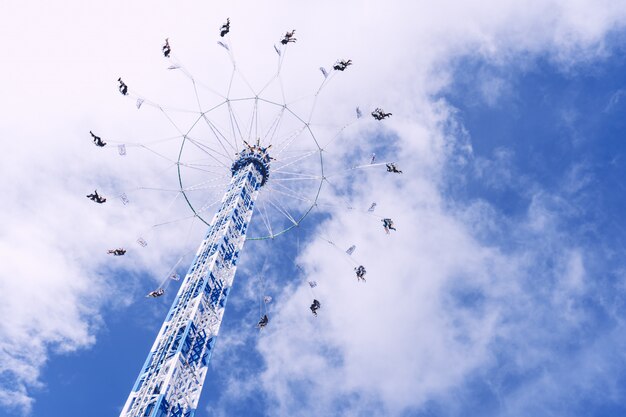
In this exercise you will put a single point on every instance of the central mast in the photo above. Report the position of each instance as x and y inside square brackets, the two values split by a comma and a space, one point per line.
[170, 382]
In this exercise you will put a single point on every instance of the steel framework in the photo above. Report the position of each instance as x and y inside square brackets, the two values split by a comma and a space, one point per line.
[170, 381]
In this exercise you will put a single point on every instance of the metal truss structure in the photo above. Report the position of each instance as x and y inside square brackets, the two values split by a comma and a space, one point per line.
[170, 382]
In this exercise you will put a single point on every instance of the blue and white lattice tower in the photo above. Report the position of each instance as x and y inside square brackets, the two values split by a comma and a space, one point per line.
[170, 382]
[227, 146]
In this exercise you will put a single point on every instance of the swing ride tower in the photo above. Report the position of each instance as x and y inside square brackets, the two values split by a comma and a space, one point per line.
[171, 379]
[225, 145]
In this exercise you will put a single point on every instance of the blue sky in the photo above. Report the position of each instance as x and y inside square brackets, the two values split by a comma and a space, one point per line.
[560, 131]
[501, 294]
[546, 124]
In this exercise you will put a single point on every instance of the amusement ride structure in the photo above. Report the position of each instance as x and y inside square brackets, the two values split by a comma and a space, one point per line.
[271, 163]
[171, 379]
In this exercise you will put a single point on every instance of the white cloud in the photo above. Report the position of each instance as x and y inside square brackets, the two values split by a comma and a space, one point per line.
[396, 341]
[614, 101]
[496, 172]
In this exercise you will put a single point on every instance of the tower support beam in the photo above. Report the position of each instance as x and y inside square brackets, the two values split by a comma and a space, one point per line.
[171, 379]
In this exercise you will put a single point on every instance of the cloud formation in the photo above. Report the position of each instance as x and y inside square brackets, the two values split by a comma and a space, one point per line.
[442, 304]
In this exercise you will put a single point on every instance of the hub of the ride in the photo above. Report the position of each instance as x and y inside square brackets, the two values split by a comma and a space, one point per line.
[256, 155]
